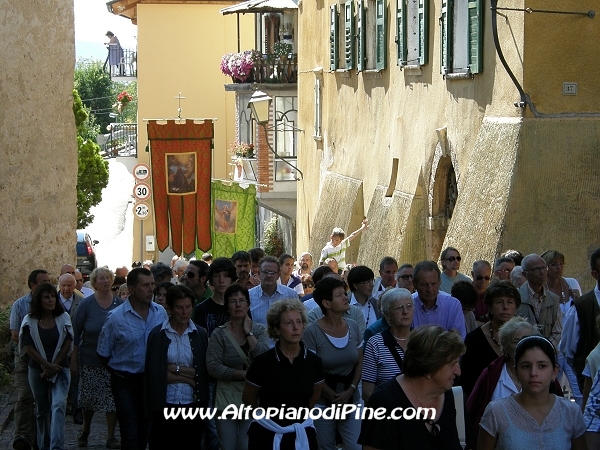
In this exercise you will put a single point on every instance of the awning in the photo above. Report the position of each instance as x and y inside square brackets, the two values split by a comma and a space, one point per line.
[261, 6]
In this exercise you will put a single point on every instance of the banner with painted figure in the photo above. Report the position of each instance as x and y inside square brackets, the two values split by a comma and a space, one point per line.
[233, 218]
[180, 153]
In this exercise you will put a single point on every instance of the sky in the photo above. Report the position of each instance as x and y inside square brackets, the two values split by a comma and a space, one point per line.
[92, 21]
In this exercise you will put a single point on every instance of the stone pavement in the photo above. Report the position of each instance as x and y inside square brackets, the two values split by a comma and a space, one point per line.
[96, 440]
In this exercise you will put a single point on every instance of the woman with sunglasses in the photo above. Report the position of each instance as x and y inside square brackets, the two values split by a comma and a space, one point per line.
[483, 344]
[384, 352]
[429, 369]
[94, 380]
[450, 259]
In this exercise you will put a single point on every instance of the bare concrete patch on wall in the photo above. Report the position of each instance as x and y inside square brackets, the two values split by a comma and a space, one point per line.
[340, 205]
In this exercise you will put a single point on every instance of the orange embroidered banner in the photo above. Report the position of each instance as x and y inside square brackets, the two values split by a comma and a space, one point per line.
[180, 154]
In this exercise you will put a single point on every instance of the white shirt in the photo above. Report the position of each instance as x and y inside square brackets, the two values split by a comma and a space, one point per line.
[66, 303]
[571, 330]
[367, 309]
[505, 387]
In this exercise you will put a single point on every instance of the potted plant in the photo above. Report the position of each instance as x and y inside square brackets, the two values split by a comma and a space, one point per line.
[239, 65]
[241, 150]
[282, 49]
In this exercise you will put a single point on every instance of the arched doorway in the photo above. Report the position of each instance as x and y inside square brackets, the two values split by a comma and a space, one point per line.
[444, 193]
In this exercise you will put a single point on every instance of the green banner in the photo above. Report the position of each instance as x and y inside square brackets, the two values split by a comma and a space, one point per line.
[234, 215]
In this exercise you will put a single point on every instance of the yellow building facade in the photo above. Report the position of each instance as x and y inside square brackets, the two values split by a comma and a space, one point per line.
[180, 45]
[420, 128]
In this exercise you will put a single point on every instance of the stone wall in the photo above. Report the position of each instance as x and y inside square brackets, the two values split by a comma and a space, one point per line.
[38, 149]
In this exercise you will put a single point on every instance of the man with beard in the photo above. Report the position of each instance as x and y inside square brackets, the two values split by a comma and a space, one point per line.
[242, 262]
[305, 264]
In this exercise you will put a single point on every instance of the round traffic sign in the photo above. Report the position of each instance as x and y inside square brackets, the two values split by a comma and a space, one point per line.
[142, 191]
[141, 210]
[141, 172]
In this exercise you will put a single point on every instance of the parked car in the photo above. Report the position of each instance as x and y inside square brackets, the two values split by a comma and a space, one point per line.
[86, 256]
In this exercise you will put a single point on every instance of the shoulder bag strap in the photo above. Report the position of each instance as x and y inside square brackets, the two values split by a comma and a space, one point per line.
[460, 415]
[237, 347]
[390, 343]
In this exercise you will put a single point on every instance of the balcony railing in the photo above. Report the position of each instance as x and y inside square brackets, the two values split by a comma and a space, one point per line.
[121, 63]
[121, 141]
[275, 71]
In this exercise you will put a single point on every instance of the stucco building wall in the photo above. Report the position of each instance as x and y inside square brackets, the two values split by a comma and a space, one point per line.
[38, 148]
[179, 50]
[430, 124]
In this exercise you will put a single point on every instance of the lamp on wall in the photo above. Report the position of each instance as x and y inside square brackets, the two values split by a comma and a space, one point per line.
[259, 104]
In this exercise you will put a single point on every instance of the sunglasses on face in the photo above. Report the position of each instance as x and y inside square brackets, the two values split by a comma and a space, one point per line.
[481, 277]
[308, 285]
[114, 288]
[406, 277]
[454, 258]
[189, 275]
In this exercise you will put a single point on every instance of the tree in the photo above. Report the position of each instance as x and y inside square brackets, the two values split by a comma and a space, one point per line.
[92, 175]
[96, 89]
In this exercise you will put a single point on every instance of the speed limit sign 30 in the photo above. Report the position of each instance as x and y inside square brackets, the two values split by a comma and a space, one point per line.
[141, 191]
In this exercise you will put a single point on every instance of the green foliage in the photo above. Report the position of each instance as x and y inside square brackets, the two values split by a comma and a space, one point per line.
[273, 241]
[96, 89]
[92, 174]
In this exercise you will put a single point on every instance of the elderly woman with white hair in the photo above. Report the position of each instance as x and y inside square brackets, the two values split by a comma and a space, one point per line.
[384, 352]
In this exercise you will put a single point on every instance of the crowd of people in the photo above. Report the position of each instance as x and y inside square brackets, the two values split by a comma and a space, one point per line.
[506, 358]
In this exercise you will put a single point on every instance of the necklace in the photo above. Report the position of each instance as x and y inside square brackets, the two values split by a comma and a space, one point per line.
[415, 392]
[399, 339]
[492, 335]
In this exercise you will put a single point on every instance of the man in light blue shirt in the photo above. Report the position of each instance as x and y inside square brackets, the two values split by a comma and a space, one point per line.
[122, 349]
[432, 306]
[268, 291]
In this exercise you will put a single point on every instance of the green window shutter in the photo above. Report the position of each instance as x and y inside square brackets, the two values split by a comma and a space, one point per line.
[333, 38]
[475, 36]
[401, 32]
[349, 33]
[360, 35]
[446, 37]
[381, 35]
[423, 24]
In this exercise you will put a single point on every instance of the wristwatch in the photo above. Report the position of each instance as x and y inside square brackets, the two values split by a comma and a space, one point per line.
[177, 370]
[249, 334]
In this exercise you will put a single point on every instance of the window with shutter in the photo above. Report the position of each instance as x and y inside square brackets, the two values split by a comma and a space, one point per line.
[445, 37]
[333, 37]
[423, 31]
[381, 35]
[349, 33]
[401, 50]
[475, 36]
[361, 35]
[461, 34]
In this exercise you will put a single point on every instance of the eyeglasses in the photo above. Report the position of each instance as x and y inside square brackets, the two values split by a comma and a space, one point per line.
[238, 302]
[114, 288]
[407, 307]
[481, 277]
[406, 277]
[189, 275]
[308, 285]
[268, 272]
[454, 258]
